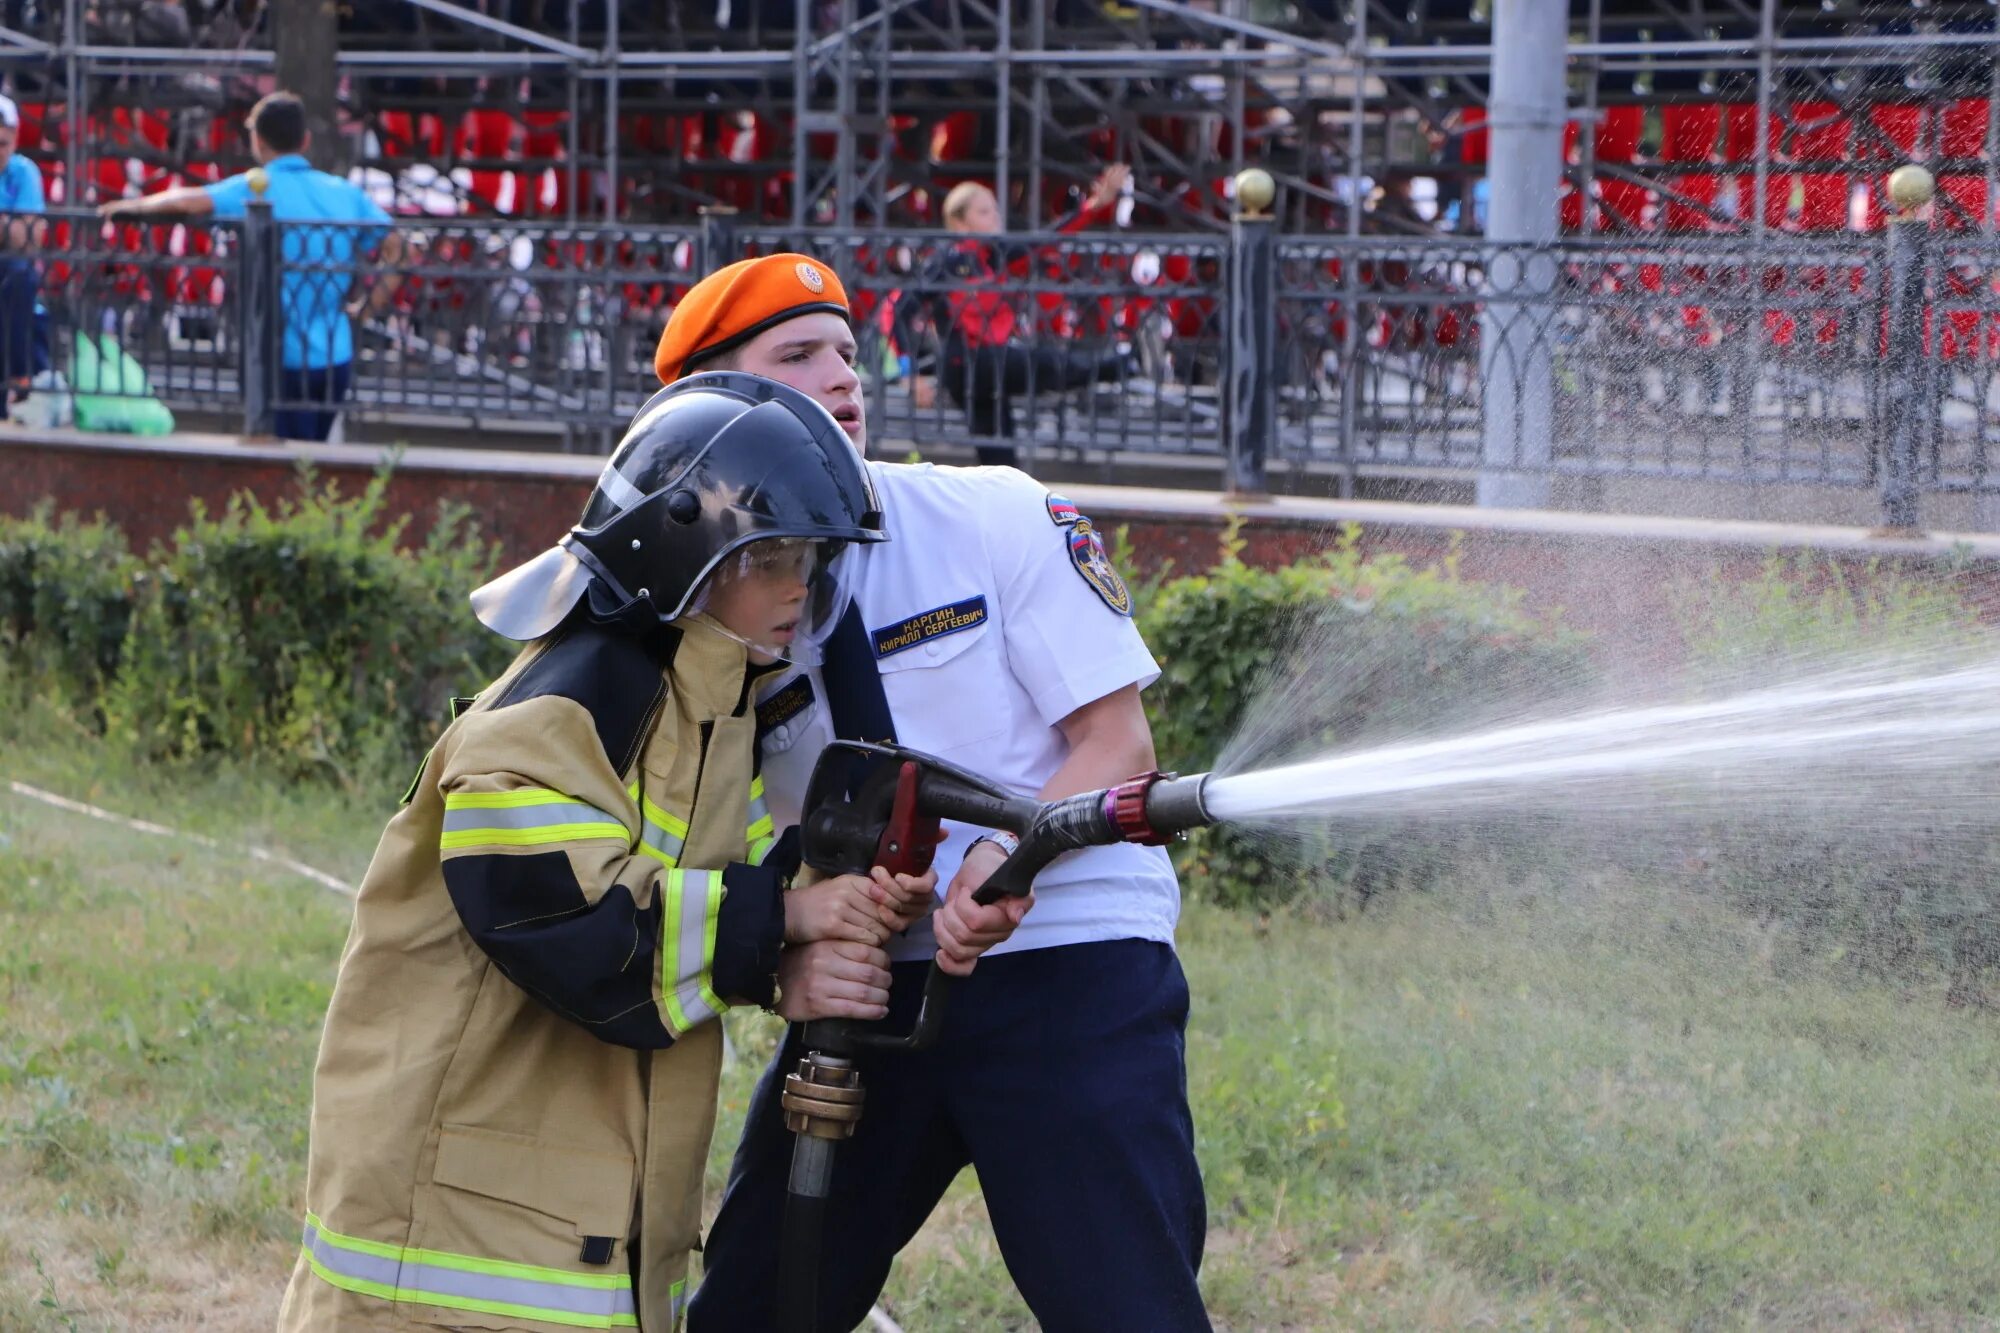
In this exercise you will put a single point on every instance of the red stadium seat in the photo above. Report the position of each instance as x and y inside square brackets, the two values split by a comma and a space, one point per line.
[28, 138]
[955, 136]
[1473, 146]
[1700, 187]
[1901, 123]
[1962, 128]
[1819, 132]
[547, 135]
[1618, 129]
[1623, 205]
[1688, 131]
[1961, 203]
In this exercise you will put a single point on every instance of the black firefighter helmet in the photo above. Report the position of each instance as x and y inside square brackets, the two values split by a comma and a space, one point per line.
[711, 464]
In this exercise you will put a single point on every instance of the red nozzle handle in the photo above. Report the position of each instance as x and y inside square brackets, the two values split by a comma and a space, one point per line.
[909, 840]
[1125, 806]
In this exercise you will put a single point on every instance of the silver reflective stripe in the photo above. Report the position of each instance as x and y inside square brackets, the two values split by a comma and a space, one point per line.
[665, 844]
[525, 816]
[408, 1276]
[618, 490]
[699, 893]
[601, 1301]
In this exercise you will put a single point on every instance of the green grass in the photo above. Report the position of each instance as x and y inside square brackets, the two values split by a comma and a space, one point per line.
[1566, 1105]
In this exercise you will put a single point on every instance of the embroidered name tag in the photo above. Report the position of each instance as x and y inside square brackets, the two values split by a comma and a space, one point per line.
[785, 705]
[893, 639]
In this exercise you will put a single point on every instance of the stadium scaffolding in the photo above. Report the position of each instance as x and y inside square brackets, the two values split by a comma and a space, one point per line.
[1685, 114]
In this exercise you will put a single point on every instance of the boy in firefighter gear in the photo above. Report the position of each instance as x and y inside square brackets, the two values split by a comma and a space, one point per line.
[998, 635]
[517, 1081]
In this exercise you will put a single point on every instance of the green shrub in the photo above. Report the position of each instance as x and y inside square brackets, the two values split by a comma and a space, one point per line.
[1264, 666]
[66, 592]
[1807, 608]
[304, 635]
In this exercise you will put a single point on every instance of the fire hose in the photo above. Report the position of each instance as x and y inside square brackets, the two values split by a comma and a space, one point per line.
[882, 805]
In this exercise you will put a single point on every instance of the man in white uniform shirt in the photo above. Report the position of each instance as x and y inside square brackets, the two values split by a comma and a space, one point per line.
[1002, 639]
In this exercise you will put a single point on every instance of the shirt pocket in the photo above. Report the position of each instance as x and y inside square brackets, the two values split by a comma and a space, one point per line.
[946, 693]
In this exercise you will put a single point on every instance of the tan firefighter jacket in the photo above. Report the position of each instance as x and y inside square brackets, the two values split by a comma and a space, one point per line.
[517, 1081]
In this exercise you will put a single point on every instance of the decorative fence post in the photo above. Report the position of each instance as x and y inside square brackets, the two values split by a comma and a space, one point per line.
[1911, 397]
[718, 238]
[263, 312]
[1249, 413]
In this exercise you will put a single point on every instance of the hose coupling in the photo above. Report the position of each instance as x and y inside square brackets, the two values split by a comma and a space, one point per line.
[823, 1097]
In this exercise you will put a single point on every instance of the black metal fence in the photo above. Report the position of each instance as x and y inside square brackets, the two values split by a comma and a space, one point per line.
[1792, 360]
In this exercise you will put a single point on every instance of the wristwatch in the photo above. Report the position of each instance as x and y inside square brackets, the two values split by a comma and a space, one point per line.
[1001, 838]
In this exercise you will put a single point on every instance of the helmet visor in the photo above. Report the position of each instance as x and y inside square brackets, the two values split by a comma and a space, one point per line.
[779, 596]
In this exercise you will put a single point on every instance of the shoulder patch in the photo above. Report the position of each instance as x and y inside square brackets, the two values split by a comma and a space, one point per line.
[925, 626]
[1087, 553]
[620, 682]
[785, 704]
[1061, 512]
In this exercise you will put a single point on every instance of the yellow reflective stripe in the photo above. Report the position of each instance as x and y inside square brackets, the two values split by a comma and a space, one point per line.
[504, 800]
[712, 919]
[469, 1263]
[670, 934]
[760, 849]
[534, 837]
[528, 817]
[463, 1282]
[761, 826]
[663, 836]
[664, 818]
[687, 946]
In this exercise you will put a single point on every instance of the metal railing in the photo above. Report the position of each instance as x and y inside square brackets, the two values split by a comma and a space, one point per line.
[1839, 361]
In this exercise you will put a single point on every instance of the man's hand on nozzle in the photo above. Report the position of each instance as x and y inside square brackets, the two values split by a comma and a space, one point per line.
[832, 979]
[965, 929]
[846, 907]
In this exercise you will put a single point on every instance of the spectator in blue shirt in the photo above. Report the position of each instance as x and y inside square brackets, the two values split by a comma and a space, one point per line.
[20, 196]
[327, 223]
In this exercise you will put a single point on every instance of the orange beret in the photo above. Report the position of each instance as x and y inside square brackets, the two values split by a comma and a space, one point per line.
[732, 305]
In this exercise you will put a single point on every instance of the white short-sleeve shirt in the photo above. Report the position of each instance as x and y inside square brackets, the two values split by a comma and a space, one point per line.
[993, 615]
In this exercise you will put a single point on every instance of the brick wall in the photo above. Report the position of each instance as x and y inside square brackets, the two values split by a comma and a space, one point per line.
[1609, 574]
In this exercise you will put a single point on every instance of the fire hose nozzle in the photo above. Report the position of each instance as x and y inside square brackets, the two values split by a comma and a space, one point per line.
[823, 1098]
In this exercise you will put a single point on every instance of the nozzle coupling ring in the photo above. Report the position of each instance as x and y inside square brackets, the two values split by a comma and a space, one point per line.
[1125, 807]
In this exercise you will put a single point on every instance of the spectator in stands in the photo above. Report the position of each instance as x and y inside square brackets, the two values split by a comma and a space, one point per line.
[986, 356]
[1392, 208]
[20, 197]
[334, 222]
[155, 23]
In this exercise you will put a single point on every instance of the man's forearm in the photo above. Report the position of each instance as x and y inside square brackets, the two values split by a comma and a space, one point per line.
[1109, 742]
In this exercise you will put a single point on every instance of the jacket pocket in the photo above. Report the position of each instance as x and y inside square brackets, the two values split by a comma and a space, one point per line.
[519, 1233]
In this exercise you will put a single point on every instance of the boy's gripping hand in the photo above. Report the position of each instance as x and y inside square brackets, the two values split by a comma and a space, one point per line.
[841, 908]
[862, 909]
[832, 979]
[904, 900]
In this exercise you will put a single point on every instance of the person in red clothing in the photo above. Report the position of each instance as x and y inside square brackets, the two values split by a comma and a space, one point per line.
[989, 353]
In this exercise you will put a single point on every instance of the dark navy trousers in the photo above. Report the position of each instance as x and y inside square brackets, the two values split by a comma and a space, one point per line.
[1061, 1078]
